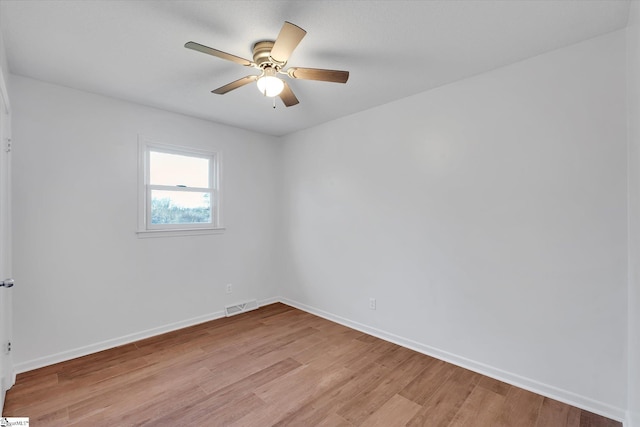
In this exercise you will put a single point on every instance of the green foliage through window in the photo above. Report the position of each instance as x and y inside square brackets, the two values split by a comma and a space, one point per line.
[164, 212]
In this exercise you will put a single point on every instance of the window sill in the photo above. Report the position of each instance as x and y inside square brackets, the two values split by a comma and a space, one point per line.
[144, 234]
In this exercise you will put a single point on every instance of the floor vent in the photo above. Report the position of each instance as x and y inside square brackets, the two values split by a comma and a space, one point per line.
[240, 307]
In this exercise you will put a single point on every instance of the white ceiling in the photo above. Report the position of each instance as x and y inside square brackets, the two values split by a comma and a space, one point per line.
[133, 50]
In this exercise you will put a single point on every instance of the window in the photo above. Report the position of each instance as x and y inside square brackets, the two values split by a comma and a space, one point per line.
[179, 190]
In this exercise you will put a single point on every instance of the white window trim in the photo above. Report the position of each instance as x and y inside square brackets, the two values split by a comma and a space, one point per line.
[145, 144]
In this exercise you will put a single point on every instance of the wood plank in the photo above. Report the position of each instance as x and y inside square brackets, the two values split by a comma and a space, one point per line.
[92, 376]
[357, 409]
[292, 349]
[399, 355]
[299, 384]
[443, 405]
[332, 420]
[261, 378]
[340, 355]
[480, 409]
[396, 411]
[554, 413]
[162, 405]
[294, 389]
[589, 419]
[231, 371]
[521, 407]
[428, 382]
[327, 403]
[211, 412]
[374, 351]
[494, 385]
[281, 341]
[59, 417]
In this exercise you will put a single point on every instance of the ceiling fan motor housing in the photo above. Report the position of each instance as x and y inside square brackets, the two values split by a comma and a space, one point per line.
[262, 55]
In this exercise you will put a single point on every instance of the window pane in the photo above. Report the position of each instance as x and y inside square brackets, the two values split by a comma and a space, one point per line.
[180, 207]
[174, 169]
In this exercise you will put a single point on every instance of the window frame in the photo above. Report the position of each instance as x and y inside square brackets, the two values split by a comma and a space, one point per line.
[145, 228]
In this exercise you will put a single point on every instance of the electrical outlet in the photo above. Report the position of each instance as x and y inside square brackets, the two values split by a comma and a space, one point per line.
[372, 303]
[229, 288]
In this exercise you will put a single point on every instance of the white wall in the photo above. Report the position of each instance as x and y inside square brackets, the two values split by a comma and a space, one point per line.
[633, 79]
[488, 218]
[4, 66]
[86, 279]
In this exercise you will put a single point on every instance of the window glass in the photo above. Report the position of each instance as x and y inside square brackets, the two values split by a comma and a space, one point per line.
[177, 170]
[180, 207]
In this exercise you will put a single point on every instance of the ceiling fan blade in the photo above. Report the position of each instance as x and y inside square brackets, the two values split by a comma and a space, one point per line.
[235, 85]
[335, 76]
[220, 54]
[287, 96]
[289, 37]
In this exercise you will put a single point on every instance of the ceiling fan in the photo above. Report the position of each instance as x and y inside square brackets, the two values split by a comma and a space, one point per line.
[271, 57]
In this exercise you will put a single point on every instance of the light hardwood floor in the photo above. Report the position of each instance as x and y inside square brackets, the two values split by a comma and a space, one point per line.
[275, 366]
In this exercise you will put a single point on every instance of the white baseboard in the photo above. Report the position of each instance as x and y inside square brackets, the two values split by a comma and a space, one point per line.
[552, 392]
[633, 419]
[268, 301]
[127, 339]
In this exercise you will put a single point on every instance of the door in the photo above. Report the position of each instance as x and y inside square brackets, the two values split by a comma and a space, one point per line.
[6, 366]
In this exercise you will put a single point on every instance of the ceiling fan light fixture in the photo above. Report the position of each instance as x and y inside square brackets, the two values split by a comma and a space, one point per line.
[269, 84]
[271, 56]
